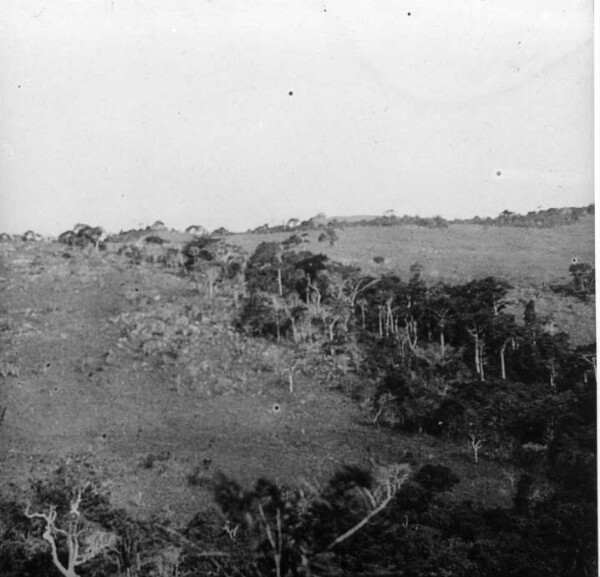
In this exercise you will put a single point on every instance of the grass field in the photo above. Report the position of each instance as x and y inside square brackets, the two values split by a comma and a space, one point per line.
[524, 256]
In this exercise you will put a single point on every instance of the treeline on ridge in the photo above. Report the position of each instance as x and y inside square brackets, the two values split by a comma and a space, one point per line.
[546, 218]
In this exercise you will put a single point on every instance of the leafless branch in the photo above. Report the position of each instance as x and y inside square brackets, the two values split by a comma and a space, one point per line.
[390, 480]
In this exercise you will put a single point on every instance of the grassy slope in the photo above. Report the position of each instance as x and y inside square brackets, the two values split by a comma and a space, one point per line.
[77, 390]
[526, 257]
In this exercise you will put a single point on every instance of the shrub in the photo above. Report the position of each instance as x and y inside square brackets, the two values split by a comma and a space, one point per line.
[583, 278]
[153, 239]
[198, 251]
[436, 478]
[259, 317]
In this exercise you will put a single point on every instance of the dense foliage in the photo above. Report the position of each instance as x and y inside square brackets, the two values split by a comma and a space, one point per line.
[454, 362]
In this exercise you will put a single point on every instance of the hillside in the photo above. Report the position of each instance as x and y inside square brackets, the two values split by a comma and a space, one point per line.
[531, 259]
[155, 383]
[528, 257]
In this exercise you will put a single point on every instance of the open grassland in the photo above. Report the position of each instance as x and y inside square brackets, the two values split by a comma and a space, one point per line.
[523, 256]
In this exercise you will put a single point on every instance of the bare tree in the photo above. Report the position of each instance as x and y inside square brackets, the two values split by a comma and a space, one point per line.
[297, 362]
[475, 443]
[590, 358]
[212, 273]
[387, 484]
[479, 347]
[84, 541]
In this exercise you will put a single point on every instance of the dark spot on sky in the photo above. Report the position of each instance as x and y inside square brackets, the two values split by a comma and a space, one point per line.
[104, 435]
[291, 93]
[48, 365]
[498, 173]
[19, 86]
[408, 13]
[276, 408]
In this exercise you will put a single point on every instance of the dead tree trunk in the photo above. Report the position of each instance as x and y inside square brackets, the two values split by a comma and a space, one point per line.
[478, 347]
[481, 356]
[362, 315]
[502, 364]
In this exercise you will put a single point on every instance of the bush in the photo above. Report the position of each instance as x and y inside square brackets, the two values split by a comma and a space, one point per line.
[153, 239]
[198, 251]
[258, 317]
[436, 478]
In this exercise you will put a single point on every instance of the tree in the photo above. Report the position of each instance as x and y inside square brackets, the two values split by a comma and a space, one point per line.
[313, 284]
[83, 542]
[503, 331]
[259, 317]
[212, 273]
[410, 307]
[263, 271]
[292, 532]
[583, 277]
[329, 235]
[199, 251]
[60, 504]
[477, 304]
[344, 287]
[475, 443]
[552, 349]
[439, 307]
[291, 242]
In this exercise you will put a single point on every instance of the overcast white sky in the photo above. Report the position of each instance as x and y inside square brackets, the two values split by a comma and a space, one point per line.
[119, 113]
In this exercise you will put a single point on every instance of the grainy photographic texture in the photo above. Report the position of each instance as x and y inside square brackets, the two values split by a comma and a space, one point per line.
[297, 288]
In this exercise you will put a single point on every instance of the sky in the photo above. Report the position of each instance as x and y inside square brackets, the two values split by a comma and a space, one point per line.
[237, 113]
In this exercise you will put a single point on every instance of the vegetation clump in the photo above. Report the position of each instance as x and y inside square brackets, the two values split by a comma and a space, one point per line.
[84, 235]
[583, 281]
